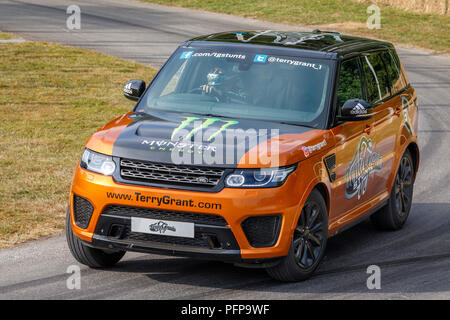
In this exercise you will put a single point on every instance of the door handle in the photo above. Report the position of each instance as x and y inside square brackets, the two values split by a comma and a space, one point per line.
[367, 129]
[407, 96]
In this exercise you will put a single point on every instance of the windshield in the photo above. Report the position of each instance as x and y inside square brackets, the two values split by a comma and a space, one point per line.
[238, 83]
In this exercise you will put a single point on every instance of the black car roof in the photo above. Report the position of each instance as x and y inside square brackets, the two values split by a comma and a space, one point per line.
[326, 42]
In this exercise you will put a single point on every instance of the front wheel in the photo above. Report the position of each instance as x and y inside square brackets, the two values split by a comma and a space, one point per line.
[94, 258]
[308, 242]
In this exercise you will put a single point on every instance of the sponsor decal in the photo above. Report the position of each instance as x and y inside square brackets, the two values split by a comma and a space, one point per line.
[186, 54]
[260, 58]
[161, 227]
[240, 35]
[365, 162]
[358, 109]
[182, 146]
[127, 88]
[294, 41]
[180, 139]
[296, 63]
[162, 200]
[308, 150]
[219, 55]
[205, 123]
[290, 39]
[305, 151]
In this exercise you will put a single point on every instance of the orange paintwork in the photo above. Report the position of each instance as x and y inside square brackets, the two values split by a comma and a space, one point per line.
[386, 129]
[103, 140]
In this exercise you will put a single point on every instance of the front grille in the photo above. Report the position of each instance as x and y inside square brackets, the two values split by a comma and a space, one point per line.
[82, 211]
[261, 231]
[198, 218]
[168, 174]
[199, 241]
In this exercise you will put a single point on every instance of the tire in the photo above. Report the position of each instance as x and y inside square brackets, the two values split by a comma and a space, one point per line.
[308, 242]
[93, 258]
[394, 215]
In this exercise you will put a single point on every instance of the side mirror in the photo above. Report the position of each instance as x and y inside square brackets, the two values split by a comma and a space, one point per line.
[356, 110]
[134, 89]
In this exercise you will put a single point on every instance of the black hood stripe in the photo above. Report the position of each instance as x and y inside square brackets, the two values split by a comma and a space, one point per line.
[154, 137]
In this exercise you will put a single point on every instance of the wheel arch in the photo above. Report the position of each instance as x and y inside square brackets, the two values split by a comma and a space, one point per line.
[413, 149]
[323, 190]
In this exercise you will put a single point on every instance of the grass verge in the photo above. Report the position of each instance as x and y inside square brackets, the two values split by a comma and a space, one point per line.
[52, 98]
[431, 31]
[6, 36]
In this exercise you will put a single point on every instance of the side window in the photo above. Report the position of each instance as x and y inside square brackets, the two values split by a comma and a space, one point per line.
[376, 77]
[395, 73]
[349, 86]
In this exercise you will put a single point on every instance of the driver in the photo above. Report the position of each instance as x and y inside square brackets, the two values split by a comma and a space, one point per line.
[223, 86]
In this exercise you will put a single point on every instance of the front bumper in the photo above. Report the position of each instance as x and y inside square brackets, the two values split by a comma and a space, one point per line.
[113, 231]
[233, 205]
[165, 249]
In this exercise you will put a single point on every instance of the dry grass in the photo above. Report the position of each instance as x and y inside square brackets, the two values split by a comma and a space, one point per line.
[421, 6]
[52, 98]
[430, 31]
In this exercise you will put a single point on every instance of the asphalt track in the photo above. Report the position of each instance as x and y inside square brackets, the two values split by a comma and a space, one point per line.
[414, 262]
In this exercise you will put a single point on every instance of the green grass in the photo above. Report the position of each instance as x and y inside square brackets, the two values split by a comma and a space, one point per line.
[429, 31]
[52, 98]
[6, 36]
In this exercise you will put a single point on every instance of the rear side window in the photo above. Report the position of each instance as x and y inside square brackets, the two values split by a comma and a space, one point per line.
[376, 77]
[349, 86]
[394, 70]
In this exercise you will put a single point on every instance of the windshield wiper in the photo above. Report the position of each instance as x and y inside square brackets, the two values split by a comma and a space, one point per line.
[212, 115]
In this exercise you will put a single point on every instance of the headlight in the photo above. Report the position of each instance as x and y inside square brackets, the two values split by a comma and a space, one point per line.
[259, 178]
[97, 162]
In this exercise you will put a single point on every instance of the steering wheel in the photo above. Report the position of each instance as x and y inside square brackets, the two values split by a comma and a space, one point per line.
[198, 89]
[203, 93]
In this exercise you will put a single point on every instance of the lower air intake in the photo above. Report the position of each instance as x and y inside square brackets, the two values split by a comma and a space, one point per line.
[82, 211]
[261, 231]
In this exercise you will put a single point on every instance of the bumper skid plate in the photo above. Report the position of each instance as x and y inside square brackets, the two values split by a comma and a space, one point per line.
[209, 242]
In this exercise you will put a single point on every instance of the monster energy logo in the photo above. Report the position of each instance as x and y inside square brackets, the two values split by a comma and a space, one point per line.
[364, 163]
[206, 123]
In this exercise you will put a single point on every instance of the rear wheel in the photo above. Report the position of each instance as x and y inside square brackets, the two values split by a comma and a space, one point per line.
[393, 216]
[308, 242]
[94, 258]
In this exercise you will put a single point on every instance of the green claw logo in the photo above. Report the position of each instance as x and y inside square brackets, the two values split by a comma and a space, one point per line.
[207, 122]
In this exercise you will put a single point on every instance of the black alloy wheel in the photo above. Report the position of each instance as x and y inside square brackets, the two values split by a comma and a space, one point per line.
[403, 186]
[308, 236]
[309, 241]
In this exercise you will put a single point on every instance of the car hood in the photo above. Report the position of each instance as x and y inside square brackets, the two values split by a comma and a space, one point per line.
[183, 138]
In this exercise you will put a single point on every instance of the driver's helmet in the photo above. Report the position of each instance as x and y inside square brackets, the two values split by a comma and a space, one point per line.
[218, 77]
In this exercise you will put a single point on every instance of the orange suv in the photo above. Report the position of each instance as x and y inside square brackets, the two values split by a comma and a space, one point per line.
[252, 148]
